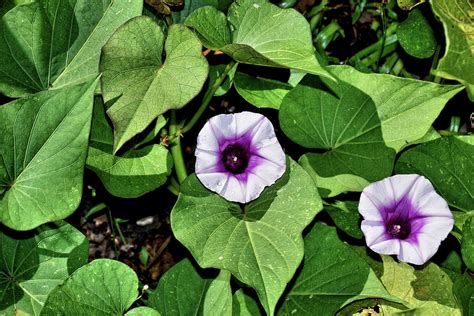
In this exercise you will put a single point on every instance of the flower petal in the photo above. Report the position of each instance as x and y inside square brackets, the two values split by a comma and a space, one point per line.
[234, 190]
[246, 121]
[437, 228]
[215, 182]
[387, 247]
[207, 162]
[207, 139]
[374, 232]
[265, 161]
[410, 252]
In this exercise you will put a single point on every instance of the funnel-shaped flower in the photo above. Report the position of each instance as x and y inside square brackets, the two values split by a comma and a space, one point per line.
[404, 216]
[238, 155]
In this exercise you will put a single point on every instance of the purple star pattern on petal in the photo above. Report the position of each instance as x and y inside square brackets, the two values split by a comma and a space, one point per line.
[404, 216]
[238, 155]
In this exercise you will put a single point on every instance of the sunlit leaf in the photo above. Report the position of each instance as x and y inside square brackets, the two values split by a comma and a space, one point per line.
[346, 126]
[102, 287]
[458, 60]
[51, 43]
[427, 291]
[34, 264]
[332, 276]
[144, 85]
[262, 244]
[43, 148]
[448, 164]
[133, 173]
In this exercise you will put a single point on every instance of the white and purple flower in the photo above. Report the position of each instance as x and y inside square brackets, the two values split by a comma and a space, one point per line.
[404, 216]
[238, 155]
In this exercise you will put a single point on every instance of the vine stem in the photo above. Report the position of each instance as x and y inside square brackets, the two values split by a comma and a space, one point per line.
[176, 152]
[207, 98]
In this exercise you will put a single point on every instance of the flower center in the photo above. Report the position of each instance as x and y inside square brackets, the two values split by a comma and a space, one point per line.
[235, 158]
[399, 230]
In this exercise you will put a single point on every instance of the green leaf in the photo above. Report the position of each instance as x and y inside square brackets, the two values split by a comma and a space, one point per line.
[416, 36]
[244, 305]
[447, 163]
[266, 35]
[332, 276]
[52, 43]
[261, 92]
[346, 125]
[458, 61]
[334, 185]
[143, 311]
[262, 34]
[206, 19]
[406, 107]
[181, 291]
[261, 245]
[409, 4]
[33, 264]
[464, 291]
[102, 287]
[215, 71]
[427, 291]
[467, 246]
[132, 174]
[144, 86]
[192, 5]
[346, 217]
[218, 300]
[43, 147]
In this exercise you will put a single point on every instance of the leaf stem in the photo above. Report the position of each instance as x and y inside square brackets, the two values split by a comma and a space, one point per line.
[211, 90]
[173, 187]
[176, 151]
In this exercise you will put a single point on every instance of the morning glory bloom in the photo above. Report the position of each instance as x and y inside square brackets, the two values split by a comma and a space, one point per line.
[238, 155]
[404, 216]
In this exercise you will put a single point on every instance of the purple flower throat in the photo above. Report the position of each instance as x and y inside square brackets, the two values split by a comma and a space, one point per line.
[398, 224]
[235, 158]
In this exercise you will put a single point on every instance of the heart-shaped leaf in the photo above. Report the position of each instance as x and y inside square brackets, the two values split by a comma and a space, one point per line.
[34, 264]
[181, 291]
[332, 276]
[407, 108]
[260, 34]
[143, 85]
[261, 245]
[51, 43]
[458, 60]
[346, 125]
[448, 163]
[132, 174]
[43, 148]
[427, 291]
[102, 287]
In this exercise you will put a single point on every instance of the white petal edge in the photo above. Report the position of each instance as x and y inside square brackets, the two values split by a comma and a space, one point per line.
[387, 247]
[437, 227]
[207, 139]
[215, 182]
[374, 232]
[234, 190]
[411, 253]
